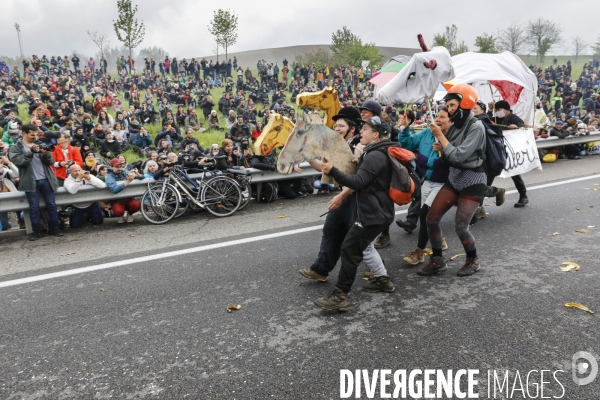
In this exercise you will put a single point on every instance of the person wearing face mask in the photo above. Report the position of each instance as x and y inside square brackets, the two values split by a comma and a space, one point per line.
[342, 214]
[506, 119]
[110, 148]
[463, 147]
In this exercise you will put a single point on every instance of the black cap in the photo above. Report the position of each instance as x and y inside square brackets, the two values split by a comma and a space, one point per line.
[350, 113]
[503, 104]
[380, 126]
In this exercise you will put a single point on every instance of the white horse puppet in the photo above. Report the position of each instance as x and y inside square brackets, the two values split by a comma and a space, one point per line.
[311, 140]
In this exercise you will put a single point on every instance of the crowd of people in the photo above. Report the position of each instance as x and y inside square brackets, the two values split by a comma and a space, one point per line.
[80, 121]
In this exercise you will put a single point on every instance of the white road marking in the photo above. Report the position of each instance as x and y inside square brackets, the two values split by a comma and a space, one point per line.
[137, 260]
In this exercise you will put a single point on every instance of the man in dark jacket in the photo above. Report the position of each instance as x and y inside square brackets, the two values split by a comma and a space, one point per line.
[36, 179]
[506, 119]
[375, 209]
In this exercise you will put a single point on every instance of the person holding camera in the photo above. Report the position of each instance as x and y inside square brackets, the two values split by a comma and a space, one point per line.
[117, 180]
[34, 161]
[82, 211]
[65, 156]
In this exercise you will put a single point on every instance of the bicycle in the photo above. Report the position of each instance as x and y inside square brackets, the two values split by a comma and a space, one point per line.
[215, 192]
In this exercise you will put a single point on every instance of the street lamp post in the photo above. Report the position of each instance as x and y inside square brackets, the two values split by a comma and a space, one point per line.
[18, 28]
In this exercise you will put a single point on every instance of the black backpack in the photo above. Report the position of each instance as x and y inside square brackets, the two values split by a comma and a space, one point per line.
[495, 156]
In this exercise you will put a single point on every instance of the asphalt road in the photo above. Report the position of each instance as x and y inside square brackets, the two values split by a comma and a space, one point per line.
[159, 328]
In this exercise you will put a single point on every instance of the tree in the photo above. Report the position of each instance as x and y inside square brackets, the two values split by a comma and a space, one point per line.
[154, 52]
[596, 46]
[348, 49]
[341, 39]
[579, 45]
[449, 40]
[513, 38]
[128, 30]
[224, 27]
[486, 43]
[543, 35]
[101, 40]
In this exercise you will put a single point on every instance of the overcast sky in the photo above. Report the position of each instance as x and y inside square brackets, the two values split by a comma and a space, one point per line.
[180, 26]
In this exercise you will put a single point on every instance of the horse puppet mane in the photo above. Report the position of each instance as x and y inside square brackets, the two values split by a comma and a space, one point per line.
[311, 140]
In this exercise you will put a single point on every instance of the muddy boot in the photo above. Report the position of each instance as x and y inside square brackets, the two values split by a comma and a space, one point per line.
[380, 284]
[336, 300]
[416, 257]
[435, 265]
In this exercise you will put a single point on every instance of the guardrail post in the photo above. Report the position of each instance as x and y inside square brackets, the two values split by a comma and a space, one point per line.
[258, 191]
[28, 226]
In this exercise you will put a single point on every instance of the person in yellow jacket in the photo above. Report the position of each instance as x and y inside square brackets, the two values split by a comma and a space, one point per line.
[361, 75]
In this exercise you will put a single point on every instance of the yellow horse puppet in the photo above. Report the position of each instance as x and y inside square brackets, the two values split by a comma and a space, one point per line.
[279, 128]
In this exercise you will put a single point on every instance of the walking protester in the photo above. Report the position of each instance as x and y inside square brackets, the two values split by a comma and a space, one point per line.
[36, 179]
[464, 148]
[375, 209]
[369, 109]
[414, 210]
[491, 191]
[434, 170]
[342, 213]
[506, 119]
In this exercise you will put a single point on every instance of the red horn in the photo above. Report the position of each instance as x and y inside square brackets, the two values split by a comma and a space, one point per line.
[422, 43]
[432, 64]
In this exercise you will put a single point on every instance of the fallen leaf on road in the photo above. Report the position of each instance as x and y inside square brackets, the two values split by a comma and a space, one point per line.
[366, 279]
[300, 284]
[580, 306]
[569, 266]
[596, 184]
[578, 208]
[555, 234]
[456, 256]
[233, 308]
[131, 235]
[67, 254]
[428, 252]
[586, 188]
[591, 226]
[596, 189]
[102, 289]
[281, 216]
[581, 230]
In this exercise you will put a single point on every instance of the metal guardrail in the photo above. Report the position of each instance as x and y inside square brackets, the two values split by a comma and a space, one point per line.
[553, 141]
[17, 201]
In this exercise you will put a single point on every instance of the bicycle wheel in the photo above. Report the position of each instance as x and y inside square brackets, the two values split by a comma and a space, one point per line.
[183, 206]
[221, 196]
[158, 206]
[246, 193]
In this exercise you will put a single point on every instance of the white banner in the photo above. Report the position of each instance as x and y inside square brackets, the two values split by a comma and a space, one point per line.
[365, 63]
[521, 152]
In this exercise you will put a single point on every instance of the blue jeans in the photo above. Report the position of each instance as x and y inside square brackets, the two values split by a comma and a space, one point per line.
[4, 221]
[43, 188]
[337, 225]
[80, 215]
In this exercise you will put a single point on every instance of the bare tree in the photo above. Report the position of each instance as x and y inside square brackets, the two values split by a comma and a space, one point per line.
[101, 40]
[579, 46]
[449, 40]
[543, 35]
[513, 38]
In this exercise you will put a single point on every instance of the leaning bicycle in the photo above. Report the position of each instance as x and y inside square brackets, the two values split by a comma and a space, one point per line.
[215, 192]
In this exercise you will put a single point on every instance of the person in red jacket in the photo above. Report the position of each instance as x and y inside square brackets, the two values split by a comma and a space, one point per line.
[64, 156]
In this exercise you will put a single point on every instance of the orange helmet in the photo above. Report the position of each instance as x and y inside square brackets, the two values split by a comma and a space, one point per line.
[466, 93]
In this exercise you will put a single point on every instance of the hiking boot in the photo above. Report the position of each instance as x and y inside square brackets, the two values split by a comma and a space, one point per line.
[382, 242]
[523, 201]
[35, 236]
[380, 284]
[500, 199]
[430, 251]
[409, 227]
[435, 265]
[368, 275]
[336, 300]
[311, 274]
[471, 266]
[481, 214]
[416, 257]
